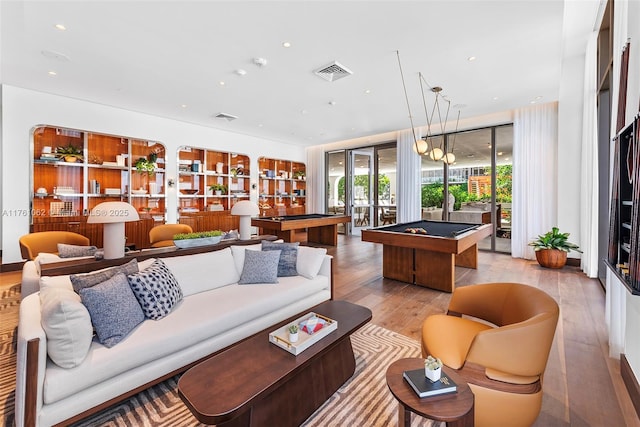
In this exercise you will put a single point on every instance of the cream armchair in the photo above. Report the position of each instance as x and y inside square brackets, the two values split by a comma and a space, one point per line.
[500, 347]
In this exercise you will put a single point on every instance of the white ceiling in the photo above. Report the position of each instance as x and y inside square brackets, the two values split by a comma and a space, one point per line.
[167, 58]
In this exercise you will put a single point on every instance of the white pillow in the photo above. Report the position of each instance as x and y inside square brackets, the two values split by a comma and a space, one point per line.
[67, 324]
[238, 255]
[309, 261]
[56, 282]
[145, 264]
[203, 272]
[44, 258]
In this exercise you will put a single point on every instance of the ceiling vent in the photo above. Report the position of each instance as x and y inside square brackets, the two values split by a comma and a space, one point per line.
[333, 71]
[227, 117]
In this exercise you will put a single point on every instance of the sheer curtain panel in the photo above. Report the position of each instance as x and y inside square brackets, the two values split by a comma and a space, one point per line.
[535, 195]
[409, 195]
[315, 180]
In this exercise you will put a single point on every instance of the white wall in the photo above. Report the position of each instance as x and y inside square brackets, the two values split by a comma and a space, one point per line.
[24, 109]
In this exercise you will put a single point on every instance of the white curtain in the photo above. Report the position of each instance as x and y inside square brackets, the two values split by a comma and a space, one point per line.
[408, 195]
[589, 165]
[535, 195]
[315, 200]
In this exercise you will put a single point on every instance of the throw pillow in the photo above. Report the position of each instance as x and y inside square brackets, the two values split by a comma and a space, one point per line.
[114, 309]
[309, 261]
[67, 324]
[238, 254]
[156, 289]
[288, 256]
[260, 267]
[55, 282]
[70, 251]
[188, 271]
[80, 281]
[44, 258]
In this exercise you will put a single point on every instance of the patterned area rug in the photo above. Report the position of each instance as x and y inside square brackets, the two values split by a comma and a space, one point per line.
[363, 401]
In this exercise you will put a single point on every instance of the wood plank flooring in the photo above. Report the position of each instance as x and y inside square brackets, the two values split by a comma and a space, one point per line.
[582, 385]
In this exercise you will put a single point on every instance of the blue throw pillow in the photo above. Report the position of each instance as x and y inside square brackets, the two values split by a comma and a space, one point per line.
[113, 308]
[260, 267]
[156, 289]
[288, 256]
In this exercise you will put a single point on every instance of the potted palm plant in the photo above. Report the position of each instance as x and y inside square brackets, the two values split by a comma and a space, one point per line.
[218, 189]
[552, 248]
[70, 153]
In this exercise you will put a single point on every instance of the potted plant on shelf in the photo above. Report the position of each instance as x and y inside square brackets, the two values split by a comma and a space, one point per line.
[147, 165]
[432, 368]
[552, 248]
[293, 333]
[218, 189]
[70, 153]
[202, 238]
[299, 174]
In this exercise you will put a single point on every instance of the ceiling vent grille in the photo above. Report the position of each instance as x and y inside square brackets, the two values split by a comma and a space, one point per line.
[227, 117]
[333, 71]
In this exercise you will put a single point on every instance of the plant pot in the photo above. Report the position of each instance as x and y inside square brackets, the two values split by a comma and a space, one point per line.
[191, 243]
[70, 159]
[551, 258]
[293, 337]
[218, 192]
[433, 375]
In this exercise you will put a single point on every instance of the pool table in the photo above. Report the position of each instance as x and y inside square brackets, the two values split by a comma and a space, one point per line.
[428, 256]
[321, 228]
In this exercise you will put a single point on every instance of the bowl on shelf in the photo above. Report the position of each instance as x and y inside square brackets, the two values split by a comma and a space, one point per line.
[190, 191]
[140, 191]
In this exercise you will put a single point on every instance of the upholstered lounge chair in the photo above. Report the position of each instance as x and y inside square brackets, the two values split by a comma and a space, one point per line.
[47, 241]
[498, 337]
[162, 235]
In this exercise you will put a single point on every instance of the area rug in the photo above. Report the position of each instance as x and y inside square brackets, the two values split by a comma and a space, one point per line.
[364, 400]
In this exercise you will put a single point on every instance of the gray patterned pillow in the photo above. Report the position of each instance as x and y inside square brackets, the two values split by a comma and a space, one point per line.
[156, 289]
[80, 281]
[71, 251]
[113, 308]
[288, 256]
[260, 267]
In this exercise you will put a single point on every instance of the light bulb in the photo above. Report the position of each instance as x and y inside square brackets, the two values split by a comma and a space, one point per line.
[436, 154]
[449, 158]
[420, 146]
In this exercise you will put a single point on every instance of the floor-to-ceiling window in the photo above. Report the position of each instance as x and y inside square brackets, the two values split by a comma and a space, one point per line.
[478, 181]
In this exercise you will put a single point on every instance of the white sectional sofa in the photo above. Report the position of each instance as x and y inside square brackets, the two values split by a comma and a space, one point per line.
[214, 313]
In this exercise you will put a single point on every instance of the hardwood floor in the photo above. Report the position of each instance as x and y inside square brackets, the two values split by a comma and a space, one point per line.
[582, 384]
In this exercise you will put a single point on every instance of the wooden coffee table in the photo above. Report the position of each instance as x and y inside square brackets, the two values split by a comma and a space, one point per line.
[456, 409]
[256, 383]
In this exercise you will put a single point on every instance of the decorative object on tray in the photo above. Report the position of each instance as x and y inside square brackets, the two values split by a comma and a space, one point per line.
[418, 230]
[432, 368]
[312, 324]
[280, 337]
[427, 388]
[202, 238]
[552, 248]
[293, 333]
[70, 153]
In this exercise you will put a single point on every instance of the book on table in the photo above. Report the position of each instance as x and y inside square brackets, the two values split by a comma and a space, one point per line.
[424, 387]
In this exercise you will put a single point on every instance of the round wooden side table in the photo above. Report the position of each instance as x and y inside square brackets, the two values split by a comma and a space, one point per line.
[456, 409]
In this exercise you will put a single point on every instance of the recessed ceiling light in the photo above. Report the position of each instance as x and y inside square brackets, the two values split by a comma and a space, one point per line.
[286, 44]
[60, 27]
[495, 98]
[184, 105]
[332, 103]
[52, 73]
[538, 97]
[260, 125]
[260, 62]
[240, 72]
[304, 112]
[221, 83]
[367, 91]
[500, 153]
[471, 58]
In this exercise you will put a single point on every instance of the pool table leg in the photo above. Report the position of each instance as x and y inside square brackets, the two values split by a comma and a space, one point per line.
[435, 270]
[325, 235]
[468, 258]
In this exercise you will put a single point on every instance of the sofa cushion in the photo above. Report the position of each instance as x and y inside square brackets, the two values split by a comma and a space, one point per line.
[67, 325]
[238, 255]
[260, 267]
[55, 282]
[86, 280]
[288, 256]
[114, 309]
[72, 251]
[156, 289]
[309, 261]
[203, 272]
